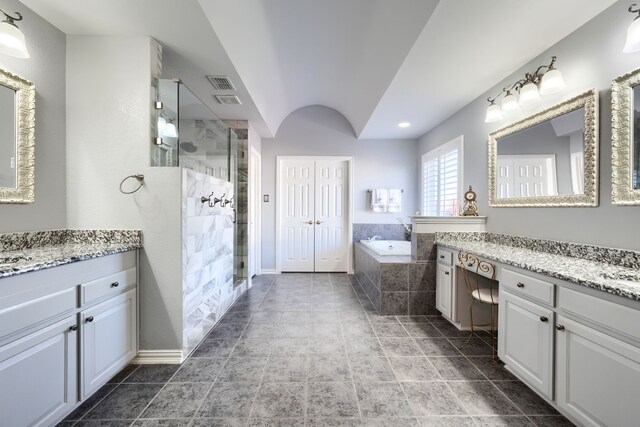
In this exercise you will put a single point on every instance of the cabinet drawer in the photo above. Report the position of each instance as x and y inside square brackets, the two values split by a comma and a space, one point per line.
[606, 314]
[18, 317]
[106, 286]
[445, 257]
[534, 289]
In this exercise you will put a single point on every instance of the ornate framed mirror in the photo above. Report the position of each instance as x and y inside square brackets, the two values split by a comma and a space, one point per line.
[17, 138]
[625, 130]
[548, 159]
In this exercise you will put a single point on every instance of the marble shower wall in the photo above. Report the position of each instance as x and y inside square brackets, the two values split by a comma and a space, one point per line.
[207, 257]
[241, 262]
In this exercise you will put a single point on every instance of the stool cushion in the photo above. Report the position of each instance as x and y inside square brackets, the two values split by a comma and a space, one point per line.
[485, 295]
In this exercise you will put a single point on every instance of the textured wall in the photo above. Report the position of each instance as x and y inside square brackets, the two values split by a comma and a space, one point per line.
[322, 131]
[46, 68]
[589, 58]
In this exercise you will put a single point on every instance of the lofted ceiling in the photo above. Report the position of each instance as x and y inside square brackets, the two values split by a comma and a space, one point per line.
[378, 62]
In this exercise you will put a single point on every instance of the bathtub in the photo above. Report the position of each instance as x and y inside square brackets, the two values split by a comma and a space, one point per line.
[389, 247]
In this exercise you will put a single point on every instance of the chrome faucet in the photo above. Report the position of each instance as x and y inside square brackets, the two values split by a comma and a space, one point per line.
[374, 238]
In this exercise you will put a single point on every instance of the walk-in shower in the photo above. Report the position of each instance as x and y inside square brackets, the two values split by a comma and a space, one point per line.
[189, 135]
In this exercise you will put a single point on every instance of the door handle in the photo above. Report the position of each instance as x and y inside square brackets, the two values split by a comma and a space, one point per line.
[310, 222]
[319, 222]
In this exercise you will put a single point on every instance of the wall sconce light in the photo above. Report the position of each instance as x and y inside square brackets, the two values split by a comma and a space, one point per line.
[12, 40]
[528, 91]
[633, 33]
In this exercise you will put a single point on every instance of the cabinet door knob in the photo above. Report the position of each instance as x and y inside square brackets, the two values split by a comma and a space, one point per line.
[441, 256]
[73, 327]
[446, 273]
[520, 285]
[89, 319]
[115, 284]
[544, 319]
[560, 327]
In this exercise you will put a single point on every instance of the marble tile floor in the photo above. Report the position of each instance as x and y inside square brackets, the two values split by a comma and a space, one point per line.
[309, 350]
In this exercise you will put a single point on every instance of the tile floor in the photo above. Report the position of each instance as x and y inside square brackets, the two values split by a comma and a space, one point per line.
[308, 349]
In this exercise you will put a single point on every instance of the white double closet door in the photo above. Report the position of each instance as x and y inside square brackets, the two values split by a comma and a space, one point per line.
[314, 214]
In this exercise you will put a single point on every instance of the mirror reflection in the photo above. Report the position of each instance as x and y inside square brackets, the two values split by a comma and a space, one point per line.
[7, 138]
[546, 159]
[635, 140]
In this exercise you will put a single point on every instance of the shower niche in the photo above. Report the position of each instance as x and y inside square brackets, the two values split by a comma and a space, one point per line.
[203, 152]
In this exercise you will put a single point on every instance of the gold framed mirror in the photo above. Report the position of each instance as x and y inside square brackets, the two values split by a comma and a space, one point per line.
[625, 143]
[17, 138]
[549, 159]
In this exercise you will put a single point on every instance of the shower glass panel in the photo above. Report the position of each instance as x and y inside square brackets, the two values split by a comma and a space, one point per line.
[190, 135]
[164, 151]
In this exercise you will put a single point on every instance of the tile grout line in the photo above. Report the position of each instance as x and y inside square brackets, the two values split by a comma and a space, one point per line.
[82, 418]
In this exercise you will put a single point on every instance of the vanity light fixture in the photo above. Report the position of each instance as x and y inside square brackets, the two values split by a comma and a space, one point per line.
[633, 33]
[170, 130]
[12, 40]
[404, 124]
[494, 113]
[528, 91]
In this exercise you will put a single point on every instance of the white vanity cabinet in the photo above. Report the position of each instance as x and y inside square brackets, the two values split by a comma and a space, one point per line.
[598, 376]
[525, 342]
[445, 283]
[108, 337]
[38, 376]
[592, 338]
[64, 332]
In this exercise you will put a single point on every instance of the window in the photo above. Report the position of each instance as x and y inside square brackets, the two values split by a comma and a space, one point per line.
[442, 179]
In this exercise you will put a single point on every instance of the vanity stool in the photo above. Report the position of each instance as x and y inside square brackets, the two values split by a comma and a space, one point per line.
[483, 291]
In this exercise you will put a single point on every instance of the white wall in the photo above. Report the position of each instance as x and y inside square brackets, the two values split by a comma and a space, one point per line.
[321, 131]
[255, 140]
[46, 68]
[108, 138]
[590, 57]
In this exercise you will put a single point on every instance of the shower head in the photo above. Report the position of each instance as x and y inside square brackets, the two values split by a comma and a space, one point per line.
[188, 146]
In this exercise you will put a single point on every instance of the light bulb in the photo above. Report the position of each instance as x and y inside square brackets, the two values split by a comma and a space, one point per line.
[12, 41]
[529, 94]
[494, 114]
[404, 124]
[510, 103]
[633, 37]
[552, 82]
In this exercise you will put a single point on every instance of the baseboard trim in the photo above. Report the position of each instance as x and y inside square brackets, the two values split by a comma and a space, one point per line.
[151, 357]
[268, 271]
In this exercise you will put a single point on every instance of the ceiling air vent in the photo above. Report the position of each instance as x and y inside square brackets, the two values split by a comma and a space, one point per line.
[228, 99]
[221, 82]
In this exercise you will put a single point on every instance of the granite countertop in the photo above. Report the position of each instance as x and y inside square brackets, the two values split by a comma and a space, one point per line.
[607, 277]
[25, 252]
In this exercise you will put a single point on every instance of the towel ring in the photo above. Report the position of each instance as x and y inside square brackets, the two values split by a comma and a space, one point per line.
[139, 177]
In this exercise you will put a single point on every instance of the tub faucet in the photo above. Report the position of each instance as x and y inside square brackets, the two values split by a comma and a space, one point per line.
[374, 238]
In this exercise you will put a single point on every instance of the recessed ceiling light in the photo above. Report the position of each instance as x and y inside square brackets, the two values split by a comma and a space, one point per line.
[404, 124]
